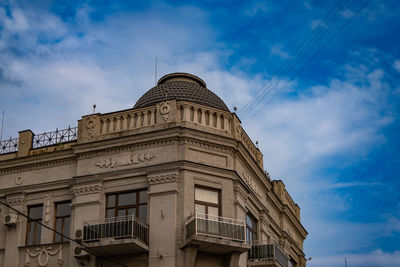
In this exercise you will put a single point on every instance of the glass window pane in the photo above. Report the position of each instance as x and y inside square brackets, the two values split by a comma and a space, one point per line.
[66, 227]
[63, 209]
[249, 221]
[132, 211]
[30, 233]
[36, 212]
[200, 208]
[213, 211]
[38, 232]
[205, 195]
[121, 212]
[110, 201]
[126, 199]
[143, 197]
[110, 213]
[143, 213]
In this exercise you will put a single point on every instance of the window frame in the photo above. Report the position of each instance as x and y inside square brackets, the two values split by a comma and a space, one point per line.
[63, 221]
[207, 204]
[251, 229]
[36, 225]
[137, 204]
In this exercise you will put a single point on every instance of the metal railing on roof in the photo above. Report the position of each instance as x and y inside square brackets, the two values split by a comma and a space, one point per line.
[55, 137]
[9, 146]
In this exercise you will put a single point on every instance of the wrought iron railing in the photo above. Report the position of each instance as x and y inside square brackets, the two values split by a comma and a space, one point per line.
[9, 146]
[216, 226]
[56, 137]
[116, 227]
[262, 250]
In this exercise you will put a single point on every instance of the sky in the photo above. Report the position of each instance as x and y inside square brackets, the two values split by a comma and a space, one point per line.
[316, 83]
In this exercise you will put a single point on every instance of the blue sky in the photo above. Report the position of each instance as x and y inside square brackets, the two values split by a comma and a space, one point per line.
[329, 131]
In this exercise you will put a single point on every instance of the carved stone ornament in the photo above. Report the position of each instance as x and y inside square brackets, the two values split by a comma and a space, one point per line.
[47, 198]
[19, 180]
[86, 189]
[124, 161]
[90, 123]
[164, 178]
[16, 200]
[43, 254]
[165, 108]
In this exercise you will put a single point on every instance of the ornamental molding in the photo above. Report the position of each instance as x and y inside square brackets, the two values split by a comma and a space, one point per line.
[164, 178]
[43, 255]
[240, 191]
[165, 108]
[127, 148]
[37, 166]
[16, 200]
[90, 124]
[47, 197]
[126, 160]
[86, 189]
[206, 145]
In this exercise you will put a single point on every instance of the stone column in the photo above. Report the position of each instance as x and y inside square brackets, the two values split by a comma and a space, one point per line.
[241, 196]
[15, 235]
[163, 196]
[86, 205]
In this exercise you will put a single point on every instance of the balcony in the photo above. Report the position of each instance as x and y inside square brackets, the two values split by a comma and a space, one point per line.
[267, 254]
[215, 234]
[115, 236]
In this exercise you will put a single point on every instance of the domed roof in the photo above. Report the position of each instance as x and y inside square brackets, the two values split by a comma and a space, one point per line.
[181, 86]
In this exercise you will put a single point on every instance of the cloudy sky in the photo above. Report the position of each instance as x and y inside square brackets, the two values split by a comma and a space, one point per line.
[315, 82]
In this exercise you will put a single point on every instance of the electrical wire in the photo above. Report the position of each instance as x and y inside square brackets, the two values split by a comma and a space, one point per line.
[315, 55]
[64, 236]
[291, 64]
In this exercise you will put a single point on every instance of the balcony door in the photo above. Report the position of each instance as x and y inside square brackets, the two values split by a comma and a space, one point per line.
[128, 203]
[207, 201]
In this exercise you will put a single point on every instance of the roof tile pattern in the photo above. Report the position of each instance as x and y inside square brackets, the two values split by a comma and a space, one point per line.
[181, 91]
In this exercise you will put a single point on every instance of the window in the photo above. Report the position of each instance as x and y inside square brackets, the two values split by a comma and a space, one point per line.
[34, 230]
[63, 219]
[127, 203]
[251, 228]
[207, 201]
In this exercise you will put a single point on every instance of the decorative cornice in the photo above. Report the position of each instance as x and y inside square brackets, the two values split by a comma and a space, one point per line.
[206, 145]
[78, 190]
[164, 178]
[126, 148]
[16, 200]
[36, 166]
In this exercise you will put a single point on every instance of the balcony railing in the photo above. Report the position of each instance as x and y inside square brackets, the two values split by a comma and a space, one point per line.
[9, 146]
[261, 250]
[116, 227]
[215, 226]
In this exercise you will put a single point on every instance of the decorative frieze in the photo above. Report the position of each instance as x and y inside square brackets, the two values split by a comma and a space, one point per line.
[253, 185]
[165, 108]
[126, 160]
[43, 255]
[163, 178]
[16, 200]
[86, 189]
[41, 165]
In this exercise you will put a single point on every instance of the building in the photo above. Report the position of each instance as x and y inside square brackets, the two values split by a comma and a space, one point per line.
[173, 181]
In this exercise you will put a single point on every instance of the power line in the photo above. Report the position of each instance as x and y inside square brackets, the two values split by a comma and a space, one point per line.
[64, 236]
[306, 46]
[317, 53]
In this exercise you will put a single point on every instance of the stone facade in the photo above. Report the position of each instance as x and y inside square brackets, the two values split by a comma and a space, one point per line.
[166, 151]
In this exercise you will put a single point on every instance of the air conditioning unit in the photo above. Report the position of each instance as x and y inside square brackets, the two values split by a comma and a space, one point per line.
[78, 235]
[80, 253]
[10, 219]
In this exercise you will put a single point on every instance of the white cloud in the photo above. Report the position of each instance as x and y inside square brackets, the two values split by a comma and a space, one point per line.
[396, 65]
[376, 258]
